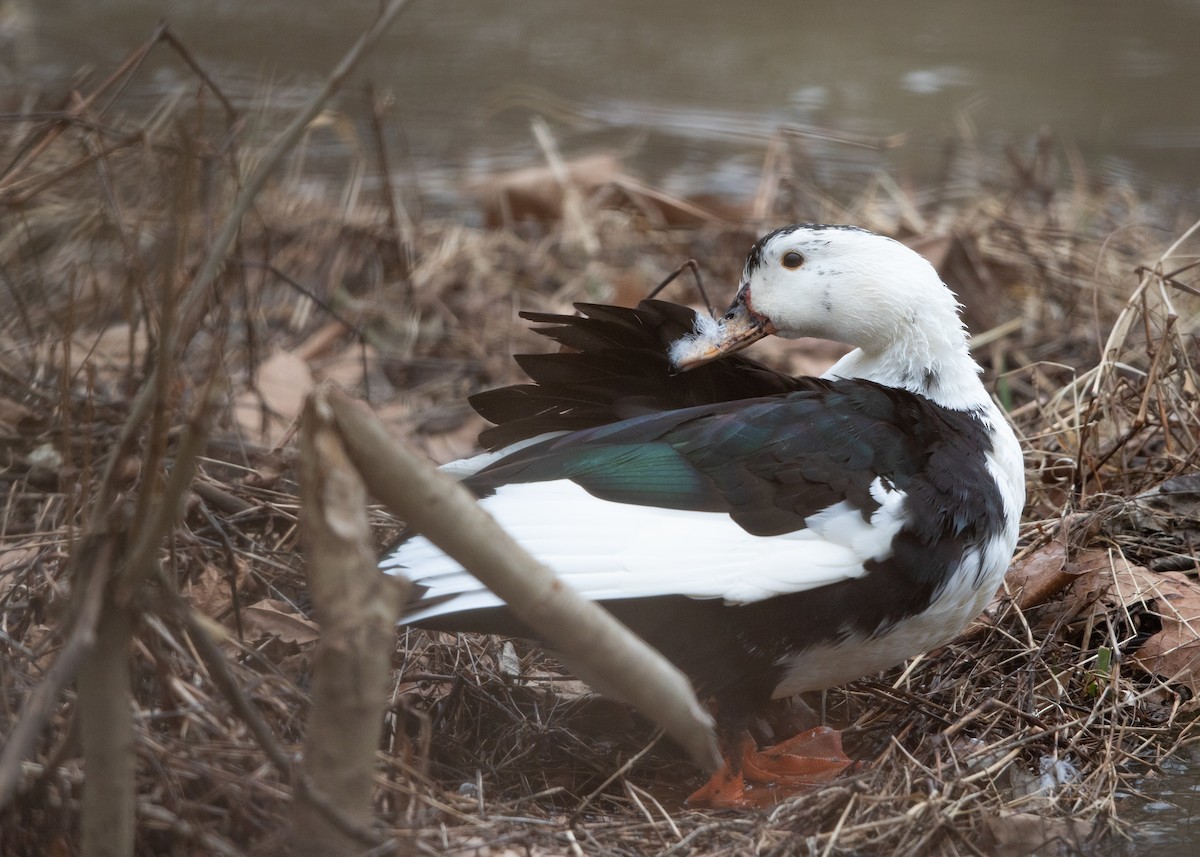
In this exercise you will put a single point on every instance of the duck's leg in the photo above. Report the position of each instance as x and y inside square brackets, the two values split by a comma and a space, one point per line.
[814, 756]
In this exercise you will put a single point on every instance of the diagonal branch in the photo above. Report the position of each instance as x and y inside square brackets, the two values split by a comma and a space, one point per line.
[601, 649]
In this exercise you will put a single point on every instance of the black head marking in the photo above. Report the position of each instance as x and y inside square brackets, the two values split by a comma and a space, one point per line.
[755, 260]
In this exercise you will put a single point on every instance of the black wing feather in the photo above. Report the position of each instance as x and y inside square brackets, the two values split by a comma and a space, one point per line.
[774, 461]
[618, 368]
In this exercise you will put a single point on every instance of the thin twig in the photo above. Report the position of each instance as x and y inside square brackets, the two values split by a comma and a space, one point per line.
[41, 702]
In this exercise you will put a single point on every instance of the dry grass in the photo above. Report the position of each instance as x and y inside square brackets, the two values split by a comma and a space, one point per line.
[1014, 736]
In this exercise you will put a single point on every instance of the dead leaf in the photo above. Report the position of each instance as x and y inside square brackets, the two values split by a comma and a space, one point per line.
[280, 385]
[1173, 654]
[1036, 578]
[1017, 834]
[209, 591]
[271, 618]
[1108, 582]
[347, 365]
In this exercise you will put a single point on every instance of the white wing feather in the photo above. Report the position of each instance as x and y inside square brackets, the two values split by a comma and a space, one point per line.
[606, 550]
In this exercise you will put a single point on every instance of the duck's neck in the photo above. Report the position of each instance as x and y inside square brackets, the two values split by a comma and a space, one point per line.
[941, 371]
[934, 361]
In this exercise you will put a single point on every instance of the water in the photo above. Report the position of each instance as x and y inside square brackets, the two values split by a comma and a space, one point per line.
[691, 91]
[1166, 813]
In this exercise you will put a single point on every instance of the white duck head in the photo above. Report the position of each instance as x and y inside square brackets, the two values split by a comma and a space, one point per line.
[853, 286]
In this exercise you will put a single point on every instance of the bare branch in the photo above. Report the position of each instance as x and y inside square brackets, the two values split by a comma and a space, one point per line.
[357, 606]
[601, 649]
[106, 727]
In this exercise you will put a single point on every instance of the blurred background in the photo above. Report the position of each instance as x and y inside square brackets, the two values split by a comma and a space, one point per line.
[687, 93]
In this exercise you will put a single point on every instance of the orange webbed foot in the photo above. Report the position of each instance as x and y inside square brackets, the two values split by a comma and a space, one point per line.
[726, 789]
[812, 757]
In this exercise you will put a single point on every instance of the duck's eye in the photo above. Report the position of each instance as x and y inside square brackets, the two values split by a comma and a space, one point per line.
[792, 260]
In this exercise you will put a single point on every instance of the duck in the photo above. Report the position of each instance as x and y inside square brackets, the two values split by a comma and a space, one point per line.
[769, 534]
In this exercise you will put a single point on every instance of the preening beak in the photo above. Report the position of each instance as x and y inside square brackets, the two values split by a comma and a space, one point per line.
[740, 327]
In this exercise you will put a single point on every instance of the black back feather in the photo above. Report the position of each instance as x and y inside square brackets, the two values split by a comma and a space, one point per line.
[617, 368]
